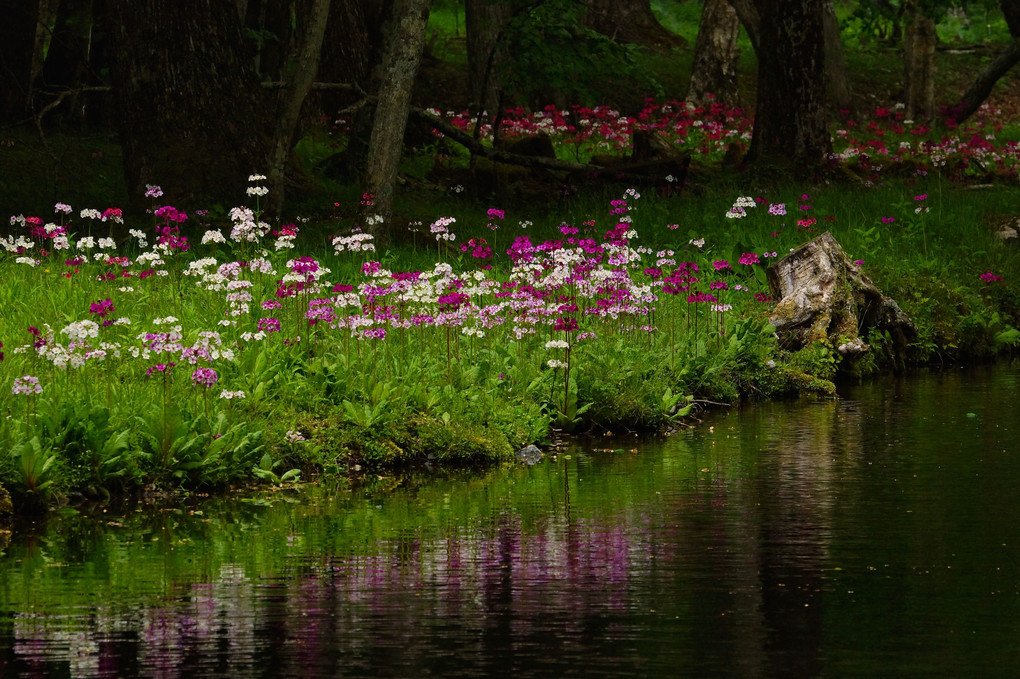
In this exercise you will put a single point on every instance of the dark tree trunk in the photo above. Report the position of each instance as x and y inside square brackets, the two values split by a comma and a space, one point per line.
[715, 56]
[404, 45]
[301, 70]
[918, 63]
[975, 96]
[488, 53]
[789, 123]
[190, 106]
[76, 57]
[629, 21]
[352, 46]
[17, 40]
[835, 62]
[364, 20]
[1011, 12]
[748, 13]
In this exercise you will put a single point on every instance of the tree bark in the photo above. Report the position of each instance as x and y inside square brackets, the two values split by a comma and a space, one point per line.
[972, 99]
[17, 40]
[629, 21]
[824, 296]
[303, 69]
[404, 46]
[918, 63]
[749, 18]
[714, 74]
[789, 123]
[189, 105]
[487, 51]
[835, 61]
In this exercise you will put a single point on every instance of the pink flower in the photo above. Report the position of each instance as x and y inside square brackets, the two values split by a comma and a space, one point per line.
[204, 377]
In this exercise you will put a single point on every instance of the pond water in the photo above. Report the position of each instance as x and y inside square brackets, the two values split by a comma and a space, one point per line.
[876, 535]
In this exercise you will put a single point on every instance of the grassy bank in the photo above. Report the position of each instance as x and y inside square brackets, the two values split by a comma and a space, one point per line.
[201, 352]
[201, 349]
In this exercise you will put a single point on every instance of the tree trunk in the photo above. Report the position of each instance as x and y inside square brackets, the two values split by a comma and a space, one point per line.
[76, 57]
[298, 82]
[190, 107]
[824, 296]
[629, 21]
[487, 51]
[17, 38]
[789, 123]
[975, 96]
[748, 13]
[835, 62]
[918, 63]
[714, 74]
[404, 45]
[1011, 13]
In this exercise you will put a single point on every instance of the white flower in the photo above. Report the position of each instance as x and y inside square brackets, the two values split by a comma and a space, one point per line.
[256, 177]
[556, 344]
[213, 236]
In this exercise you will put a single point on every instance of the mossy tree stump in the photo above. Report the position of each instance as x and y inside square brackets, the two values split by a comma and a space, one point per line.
[823, 296]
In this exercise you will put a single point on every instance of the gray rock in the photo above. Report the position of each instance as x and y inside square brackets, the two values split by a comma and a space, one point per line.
[529, 455]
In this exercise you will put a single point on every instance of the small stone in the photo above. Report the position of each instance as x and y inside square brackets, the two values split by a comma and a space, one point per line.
[529, 455]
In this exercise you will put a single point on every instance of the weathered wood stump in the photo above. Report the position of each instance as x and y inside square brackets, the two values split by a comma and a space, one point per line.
[824, 296]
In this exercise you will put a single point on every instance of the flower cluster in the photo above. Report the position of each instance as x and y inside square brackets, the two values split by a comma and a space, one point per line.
[26, 384]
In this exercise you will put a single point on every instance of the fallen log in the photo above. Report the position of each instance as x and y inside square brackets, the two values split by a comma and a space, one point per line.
[824, 296]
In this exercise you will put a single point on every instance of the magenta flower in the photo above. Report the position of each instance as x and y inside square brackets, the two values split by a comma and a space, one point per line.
[565, 324]
[989, 277]
[268, 325]
[749, 258]
[204, 377]
[160, 368]
[101, 308]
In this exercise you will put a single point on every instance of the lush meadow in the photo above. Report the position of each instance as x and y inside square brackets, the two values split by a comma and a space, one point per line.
[193, 349]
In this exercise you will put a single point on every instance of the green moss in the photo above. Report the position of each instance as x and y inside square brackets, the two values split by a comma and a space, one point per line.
[459, 442]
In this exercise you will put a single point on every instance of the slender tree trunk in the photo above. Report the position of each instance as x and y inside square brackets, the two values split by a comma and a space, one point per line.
[835, 62]
[789, 123]
[972, 99]
[629, 21]
[302, 70]
[190, 107]
[715, 56]
[918, 63]
[748, 13]
[404, 46]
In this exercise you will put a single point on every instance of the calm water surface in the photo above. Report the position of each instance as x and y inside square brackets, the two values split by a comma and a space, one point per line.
[874, 536]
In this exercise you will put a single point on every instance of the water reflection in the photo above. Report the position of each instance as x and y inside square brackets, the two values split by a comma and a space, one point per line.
[858, 537]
